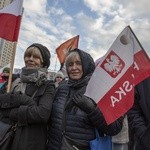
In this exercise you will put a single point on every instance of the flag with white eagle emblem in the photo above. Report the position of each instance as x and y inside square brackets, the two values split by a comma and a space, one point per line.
[112, 83]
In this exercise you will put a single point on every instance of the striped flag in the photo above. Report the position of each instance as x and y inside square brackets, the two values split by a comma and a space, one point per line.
[10, 18]
[112, 83]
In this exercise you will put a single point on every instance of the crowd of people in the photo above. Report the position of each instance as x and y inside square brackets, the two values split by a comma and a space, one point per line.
[49, 113]
[4, 76]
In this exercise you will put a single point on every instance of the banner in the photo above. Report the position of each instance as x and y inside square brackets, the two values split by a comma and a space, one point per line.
[112, 83]
[63, 49]
[10, 18]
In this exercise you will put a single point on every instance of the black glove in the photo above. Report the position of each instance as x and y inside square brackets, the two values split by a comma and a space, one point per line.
[14, 114]
[14, 100]
[5, 100]
[5, 113]
[84, 102]
[4, 97]
[18, 99]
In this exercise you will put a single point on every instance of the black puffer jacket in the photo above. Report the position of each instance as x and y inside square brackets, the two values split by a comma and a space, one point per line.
[80, 126]
[139, 115]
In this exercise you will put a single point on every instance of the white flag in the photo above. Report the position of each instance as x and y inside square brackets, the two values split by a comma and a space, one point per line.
[112, 83]
[10, 19]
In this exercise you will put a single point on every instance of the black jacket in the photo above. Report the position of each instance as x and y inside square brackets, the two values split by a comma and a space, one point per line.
[139, 115]
[31, 115]
[80, 126]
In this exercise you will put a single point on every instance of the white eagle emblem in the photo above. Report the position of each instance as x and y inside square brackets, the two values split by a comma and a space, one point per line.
[113, 65]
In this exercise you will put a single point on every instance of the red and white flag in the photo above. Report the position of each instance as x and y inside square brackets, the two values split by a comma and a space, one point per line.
[10, 18]
[63, 49]
[112, 83]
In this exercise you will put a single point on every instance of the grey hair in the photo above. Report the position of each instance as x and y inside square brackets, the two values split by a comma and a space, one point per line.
[69, 57]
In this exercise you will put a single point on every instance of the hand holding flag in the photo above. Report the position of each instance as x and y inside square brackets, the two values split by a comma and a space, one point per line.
[112, 83]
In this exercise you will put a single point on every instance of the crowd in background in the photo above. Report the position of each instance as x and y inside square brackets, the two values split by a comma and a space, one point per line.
[37, 104]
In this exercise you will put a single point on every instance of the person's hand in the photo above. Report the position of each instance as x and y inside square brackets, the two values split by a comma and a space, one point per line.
[14, 100]
[14, 114]
[21, 99]
[84, 102]
[5, 113]
[10, 113]
[4, 98]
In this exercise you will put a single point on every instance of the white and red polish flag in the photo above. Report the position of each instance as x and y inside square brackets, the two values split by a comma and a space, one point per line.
[112, 83]
[10, 18]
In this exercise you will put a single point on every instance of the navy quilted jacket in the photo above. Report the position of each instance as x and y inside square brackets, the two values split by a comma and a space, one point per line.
[79, 125]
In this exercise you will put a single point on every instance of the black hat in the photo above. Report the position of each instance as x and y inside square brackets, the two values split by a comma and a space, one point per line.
[6, 69]
[44, 52]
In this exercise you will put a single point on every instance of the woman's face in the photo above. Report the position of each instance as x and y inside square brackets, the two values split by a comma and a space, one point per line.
[74, 66]
[33, 59]
[58, 79]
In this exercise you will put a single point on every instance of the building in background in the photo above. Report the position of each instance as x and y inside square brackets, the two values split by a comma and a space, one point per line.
[6, 47]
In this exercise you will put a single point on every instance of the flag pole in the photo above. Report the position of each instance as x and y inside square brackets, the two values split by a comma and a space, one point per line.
[139, 43]
[56, 63]
[11, 67]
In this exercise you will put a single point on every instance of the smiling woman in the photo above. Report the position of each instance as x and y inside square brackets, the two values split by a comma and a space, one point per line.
[75, 116]
[30, 101]
[74, 66]
[33, 57]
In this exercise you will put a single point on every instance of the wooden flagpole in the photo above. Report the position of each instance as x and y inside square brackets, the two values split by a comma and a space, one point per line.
[11, 67]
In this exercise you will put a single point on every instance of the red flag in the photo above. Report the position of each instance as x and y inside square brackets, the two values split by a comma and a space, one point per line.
[112, 83]
[10, 18]
[62, 50]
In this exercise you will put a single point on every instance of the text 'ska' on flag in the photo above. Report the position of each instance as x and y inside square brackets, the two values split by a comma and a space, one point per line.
[63, 49]
[10, 18]
[112, 83]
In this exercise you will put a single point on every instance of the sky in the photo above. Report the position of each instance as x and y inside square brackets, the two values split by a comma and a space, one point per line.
[97, 22]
